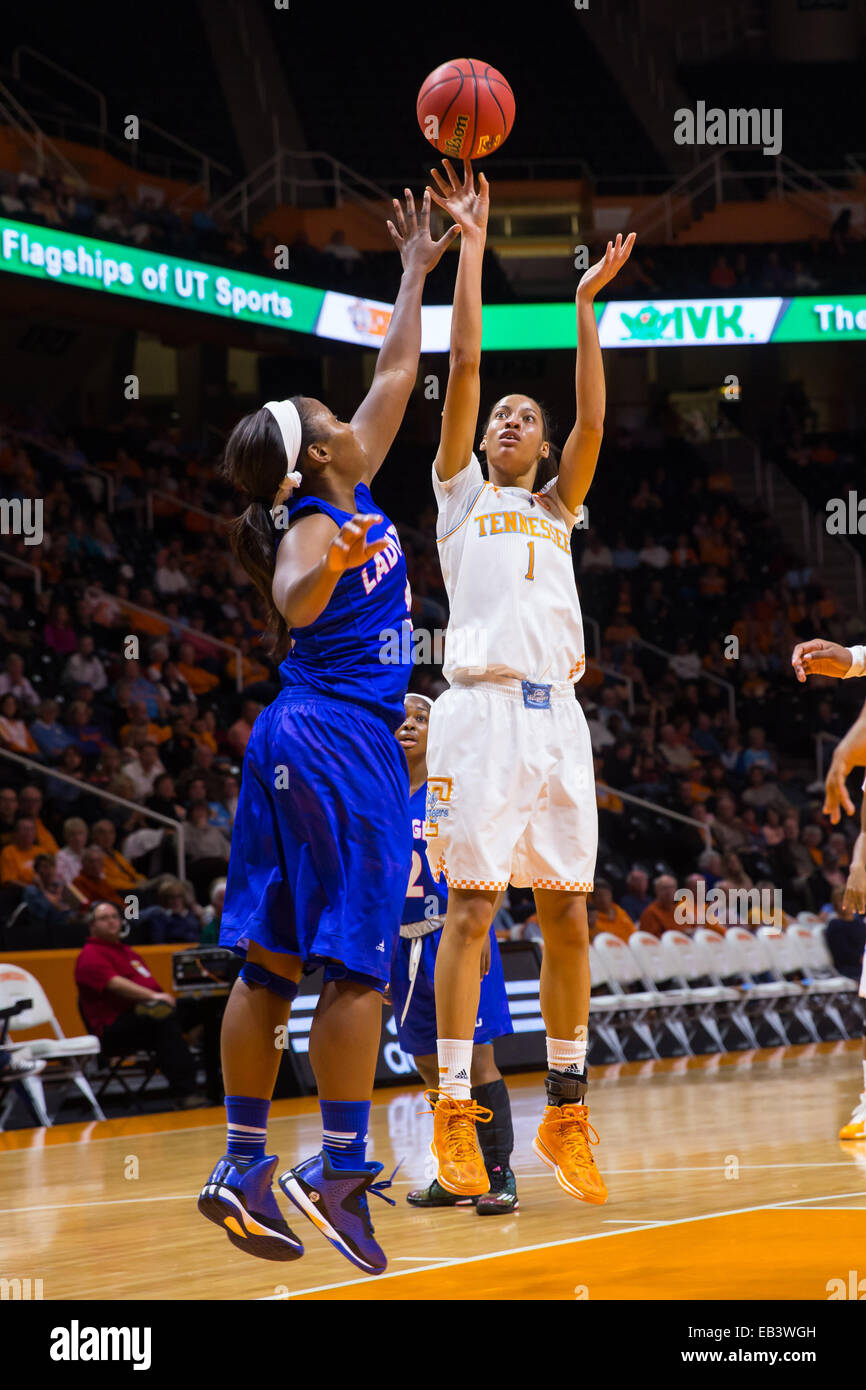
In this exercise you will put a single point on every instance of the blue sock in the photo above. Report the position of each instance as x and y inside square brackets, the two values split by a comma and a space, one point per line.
[344, 1131]
[247, 1118]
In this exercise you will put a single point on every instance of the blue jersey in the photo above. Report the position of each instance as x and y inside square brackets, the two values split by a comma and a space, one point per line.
[425, 897]
[360, 646]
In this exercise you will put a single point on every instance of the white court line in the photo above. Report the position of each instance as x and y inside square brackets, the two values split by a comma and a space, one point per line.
[793, 1201]
[440, 1259]
[410, 1182]
[552, 1244]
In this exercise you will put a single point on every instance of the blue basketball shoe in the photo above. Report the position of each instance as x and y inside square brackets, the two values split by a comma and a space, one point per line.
[335, 1200]
[238, 1196]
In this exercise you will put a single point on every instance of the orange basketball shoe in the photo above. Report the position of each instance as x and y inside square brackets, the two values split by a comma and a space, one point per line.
[455, 1144]
[563, 1143]
[856, 1126]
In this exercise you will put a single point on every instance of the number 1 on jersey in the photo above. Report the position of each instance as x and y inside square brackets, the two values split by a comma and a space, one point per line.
[530, 573]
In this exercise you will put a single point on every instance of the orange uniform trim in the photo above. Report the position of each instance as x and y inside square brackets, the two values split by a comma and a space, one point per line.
[564, 885]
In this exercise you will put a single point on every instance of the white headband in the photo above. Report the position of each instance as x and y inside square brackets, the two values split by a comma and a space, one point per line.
[289, 422]
[413, 695]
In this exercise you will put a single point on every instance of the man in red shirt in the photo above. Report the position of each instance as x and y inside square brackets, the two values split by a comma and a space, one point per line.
[127, 1009]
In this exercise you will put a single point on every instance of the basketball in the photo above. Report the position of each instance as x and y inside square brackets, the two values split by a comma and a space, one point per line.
[466, 108]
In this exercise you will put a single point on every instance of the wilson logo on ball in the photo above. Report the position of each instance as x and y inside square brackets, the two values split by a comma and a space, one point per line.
[466, 108]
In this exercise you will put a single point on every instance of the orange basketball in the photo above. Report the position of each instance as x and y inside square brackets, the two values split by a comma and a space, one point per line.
[465, 108]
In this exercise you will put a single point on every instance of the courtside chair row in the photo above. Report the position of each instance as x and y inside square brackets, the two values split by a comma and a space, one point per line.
[715, 992]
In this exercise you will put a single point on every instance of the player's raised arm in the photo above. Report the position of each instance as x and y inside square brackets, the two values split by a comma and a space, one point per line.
[463, 394]
[849, 753]
[855, 887]
[581, 449]
[311, 559]
[380, 414]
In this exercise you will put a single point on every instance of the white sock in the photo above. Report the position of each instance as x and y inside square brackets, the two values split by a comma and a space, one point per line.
[455, 1067]
[564, 1054]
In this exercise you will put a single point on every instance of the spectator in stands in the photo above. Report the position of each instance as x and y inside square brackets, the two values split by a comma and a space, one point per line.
[50, 737]
[204, 841]
[14, 682]
[793, 861]
[72, 765]
[761, 793]
[703, 739]
[84, 667]
[58, 634]
[636, 897]
[170, 578]
[127, 1008]
[596, 555]
[16, 857]
[30, 801]
[14, 733]
[722, 275]
[46, 896]
[174, 918]
[674, 750]
[239, 732]
[8, 813]
[710, 864]
[609, 916]
[756, 752]
[164, 801]
[659, 916]
[201, 765]
[116, 870]
[144, 691]
[87, 736]
[846, 937]
[212, 914]
[729, 832]
[199, 680]
[143, 769]
[348, 256]
[91, 884]
[68, 860]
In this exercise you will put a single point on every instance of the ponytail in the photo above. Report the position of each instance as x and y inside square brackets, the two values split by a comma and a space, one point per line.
[255, 460]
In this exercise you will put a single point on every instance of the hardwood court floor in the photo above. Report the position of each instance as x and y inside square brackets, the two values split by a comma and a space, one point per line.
[726, 1181]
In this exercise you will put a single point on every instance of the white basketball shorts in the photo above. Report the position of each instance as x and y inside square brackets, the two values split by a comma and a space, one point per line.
[510, 790]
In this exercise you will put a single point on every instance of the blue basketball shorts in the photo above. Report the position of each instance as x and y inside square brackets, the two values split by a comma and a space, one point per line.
[322, 842]
[417, 1034]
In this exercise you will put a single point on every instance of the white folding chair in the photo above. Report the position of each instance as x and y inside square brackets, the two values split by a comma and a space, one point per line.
[831, 992]
[719, 967]
[62, 1055]
[656, 974]
[604, 1005]
[623, 972]
[784, 962]
[751, 958]
[686, 965]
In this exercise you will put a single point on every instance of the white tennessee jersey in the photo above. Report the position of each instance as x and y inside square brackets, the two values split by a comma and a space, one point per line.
[506, 562]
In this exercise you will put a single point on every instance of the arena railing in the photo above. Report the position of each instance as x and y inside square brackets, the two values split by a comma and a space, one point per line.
[40, 770]
[702, 674]
[180, 504]
[6, 559]
[703, 830]
[195, 634]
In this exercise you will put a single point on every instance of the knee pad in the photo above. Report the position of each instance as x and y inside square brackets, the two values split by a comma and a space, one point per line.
[254, 974]
[335, 970]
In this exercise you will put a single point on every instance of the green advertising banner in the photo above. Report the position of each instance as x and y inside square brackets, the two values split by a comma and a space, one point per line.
[49, 254]
[107, 267]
